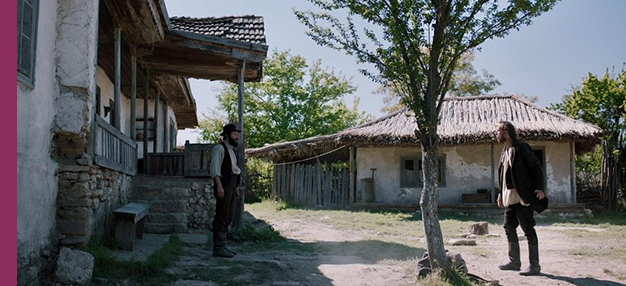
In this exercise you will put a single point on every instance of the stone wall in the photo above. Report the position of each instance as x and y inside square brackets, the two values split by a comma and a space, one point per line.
[200, 208]
[88, 194]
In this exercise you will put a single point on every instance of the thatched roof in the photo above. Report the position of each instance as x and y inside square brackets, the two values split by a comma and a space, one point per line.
[465, 120]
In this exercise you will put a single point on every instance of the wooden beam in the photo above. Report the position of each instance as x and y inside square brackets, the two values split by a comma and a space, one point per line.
[238, 219]
[118, 77]
[145, 124]
[133, 98]
[220, 41]
[156, 122]
[493, 178]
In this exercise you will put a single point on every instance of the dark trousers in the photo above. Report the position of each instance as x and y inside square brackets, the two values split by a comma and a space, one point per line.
[519, 215]
[223, 208]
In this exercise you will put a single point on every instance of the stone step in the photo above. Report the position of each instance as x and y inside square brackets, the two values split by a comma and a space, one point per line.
[165, 228]
[168, 218]
[159, 193]
[165, 206]
[169, 181]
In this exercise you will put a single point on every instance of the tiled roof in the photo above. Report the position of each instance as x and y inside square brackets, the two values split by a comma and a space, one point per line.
[248, 29]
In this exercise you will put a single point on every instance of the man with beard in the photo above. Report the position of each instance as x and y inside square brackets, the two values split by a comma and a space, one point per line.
[226, 177]
[521, 180]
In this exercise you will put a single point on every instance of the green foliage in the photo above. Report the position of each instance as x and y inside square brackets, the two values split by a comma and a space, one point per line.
[247, 232]
[295, 100]
[149, 271]
[602, 102]
[260, 175]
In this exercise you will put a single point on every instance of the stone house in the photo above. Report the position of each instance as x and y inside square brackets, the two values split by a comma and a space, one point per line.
[102, 87]
[385, 157]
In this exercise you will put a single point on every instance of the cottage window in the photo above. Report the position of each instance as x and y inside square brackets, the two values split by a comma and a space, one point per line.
[26, 38]
[411, 174]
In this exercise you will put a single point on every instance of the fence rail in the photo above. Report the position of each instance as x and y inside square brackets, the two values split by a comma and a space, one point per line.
[113, 149]
[312, 185]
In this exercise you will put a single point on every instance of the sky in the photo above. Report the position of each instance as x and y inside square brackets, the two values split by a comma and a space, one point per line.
[546, 59]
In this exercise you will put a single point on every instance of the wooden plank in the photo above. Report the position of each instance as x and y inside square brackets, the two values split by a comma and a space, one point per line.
[110, 164]
[318, 183]
[136, 211]
[221, 41]
[125, 233]
[107, 127]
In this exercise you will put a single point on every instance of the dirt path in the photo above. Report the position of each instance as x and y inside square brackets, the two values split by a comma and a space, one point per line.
[320, 254]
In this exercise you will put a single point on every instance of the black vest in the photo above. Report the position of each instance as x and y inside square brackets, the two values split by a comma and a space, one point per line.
[227, 168]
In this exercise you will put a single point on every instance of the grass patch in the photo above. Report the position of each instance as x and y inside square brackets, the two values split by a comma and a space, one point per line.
[149, 271]
[610, 252]
[234, 273]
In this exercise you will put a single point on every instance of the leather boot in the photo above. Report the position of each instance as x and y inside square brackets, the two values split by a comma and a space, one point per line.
[533, 255]
[514, 261]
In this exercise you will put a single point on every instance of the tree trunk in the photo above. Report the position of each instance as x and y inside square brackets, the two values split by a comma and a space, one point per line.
[428, 204]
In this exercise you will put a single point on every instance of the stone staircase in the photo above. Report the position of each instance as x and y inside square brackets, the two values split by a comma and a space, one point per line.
[169, 201]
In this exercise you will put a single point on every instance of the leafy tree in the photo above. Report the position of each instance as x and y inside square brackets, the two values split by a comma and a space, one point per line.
[415, 46]
[602, 102]
[294, 101]
[466, 81]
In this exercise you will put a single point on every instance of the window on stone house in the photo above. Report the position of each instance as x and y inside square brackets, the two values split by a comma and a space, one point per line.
[26, 40]
[411, 175]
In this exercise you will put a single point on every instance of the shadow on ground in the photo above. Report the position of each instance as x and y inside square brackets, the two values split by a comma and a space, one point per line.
[587, 281]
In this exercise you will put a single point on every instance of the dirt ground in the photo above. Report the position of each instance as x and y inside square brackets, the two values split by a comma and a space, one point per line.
[339, 248]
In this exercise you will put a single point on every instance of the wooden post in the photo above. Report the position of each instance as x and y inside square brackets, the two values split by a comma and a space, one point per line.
[156, 121]
[239, 206]
[572, 162]
[493, 176]
[133, 97]
[352, 176]
[118, 77]
[145, 123]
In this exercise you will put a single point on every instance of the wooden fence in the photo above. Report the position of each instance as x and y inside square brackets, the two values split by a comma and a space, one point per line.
[166, 164]
[312, 185]
[113, 149]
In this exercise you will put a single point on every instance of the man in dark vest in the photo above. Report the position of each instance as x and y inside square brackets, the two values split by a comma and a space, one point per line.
[522, 185]
[226, 177]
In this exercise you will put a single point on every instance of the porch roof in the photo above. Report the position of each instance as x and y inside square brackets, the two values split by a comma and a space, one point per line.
[176, 49]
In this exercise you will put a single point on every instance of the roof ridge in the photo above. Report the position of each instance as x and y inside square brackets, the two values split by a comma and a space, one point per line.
[213, 18]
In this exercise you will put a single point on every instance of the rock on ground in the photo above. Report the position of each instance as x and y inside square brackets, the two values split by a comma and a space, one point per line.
[479, 228]
[462, 242]
[74, 267]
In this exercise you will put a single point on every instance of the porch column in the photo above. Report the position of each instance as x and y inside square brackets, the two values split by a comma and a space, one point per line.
[133, 97]
[352, 177]
[572, 170]
[493, 176]
[238, 214]
[118, 78]
[145, 123]
[156, 120]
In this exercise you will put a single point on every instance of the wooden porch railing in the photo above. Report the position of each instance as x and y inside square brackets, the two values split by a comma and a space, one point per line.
[166, 164]
[193, 162]
[113, 149]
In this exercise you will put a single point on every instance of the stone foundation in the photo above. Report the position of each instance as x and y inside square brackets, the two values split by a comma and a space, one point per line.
[87, 197]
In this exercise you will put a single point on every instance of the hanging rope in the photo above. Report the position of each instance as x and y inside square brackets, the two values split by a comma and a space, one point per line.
[314, 157]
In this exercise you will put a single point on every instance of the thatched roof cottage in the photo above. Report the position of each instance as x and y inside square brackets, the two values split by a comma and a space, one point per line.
[385, 155]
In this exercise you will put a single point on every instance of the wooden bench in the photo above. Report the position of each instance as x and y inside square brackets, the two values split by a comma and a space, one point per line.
[130, 220]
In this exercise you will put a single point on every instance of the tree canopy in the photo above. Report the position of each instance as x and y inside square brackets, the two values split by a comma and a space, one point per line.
[295, 100]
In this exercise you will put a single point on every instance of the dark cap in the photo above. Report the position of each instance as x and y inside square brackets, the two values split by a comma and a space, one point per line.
[228, 128]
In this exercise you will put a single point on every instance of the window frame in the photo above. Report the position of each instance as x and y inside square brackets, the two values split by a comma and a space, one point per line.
[28, 79]
[417, 170]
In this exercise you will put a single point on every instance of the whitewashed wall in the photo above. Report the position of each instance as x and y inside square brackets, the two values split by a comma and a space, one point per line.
[468, 168]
